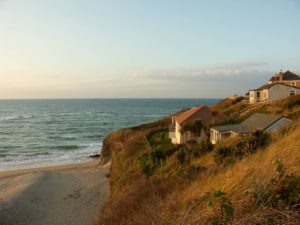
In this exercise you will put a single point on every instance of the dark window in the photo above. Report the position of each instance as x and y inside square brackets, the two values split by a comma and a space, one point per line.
[292, 93]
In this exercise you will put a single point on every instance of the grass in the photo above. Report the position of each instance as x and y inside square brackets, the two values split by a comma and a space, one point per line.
[200, 191]
[160, 139]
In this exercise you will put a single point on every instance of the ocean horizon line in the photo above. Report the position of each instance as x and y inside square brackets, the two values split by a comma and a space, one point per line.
[119, 98]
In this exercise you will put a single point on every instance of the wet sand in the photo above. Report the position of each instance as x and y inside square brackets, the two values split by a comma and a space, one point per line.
[56, 195]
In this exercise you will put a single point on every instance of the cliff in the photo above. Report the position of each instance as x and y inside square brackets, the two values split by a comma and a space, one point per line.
[155, 183]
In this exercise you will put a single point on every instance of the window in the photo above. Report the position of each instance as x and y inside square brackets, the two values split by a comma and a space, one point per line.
[292, 93]
[293, 83]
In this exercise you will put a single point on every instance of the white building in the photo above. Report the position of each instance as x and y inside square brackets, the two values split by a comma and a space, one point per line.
[270, 92]
[177, 132]
[258, 121]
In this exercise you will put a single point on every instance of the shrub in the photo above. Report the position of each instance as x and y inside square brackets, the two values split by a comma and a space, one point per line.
[285, 190]
[181, 156]
[195, 127]
[292, 102]
[198, 149]
[282, 193]
[146, 164]
[222, 152]
[236, 148]
[157, 153]
[280, 170]
[231, 120]
[222, 206]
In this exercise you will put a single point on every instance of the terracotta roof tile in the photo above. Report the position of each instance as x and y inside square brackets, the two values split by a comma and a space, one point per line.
[187, 114]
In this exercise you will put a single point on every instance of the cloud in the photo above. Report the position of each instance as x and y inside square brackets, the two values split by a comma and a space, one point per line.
[216, 81]
[210, 82]
[196, 74]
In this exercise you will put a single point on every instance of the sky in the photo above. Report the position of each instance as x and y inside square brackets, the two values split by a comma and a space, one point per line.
[144, 49]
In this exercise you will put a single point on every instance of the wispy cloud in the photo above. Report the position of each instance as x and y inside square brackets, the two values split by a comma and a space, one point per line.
[188, 74]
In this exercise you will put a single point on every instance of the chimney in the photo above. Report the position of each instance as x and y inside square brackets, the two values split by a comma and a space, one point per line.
[281, 76]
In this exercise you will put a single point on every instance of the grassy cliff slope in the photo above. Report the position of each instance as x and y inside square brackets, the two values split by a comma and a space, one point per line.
[155, 183]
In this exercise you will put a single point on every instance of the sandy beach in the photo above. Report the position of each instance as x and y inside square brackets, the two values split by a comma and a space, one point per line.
[56, 195]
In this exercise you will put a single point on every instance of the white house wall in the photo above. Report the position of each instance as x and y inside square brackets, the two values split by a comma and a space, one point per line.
[177, 133]
[280, 91]
[252, 96]
[265, 95]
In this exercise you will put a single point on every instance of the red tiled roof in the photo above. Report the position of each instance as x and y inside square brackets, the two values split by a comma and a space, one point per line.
[187, 114]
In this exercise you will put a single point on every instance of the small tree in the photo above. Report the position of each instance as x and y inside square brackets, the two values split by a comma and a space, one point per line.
[195, 127]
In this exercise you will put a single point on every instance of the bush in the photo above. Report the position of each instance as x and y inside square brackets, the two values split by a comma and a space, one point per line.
[157, 153]
[282, 193]
[292, 102]
[222, 153]
[198, 149]
[231, 120]
[222, 206]
[229, 150]
[146, 164]
[285, 190]
[181, 156]
[195, 127]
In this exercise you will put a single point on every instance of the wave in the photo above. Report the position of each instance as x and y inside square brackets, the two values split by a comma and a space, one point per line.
[65, 147]
[4, 147]
[92, 136]
[36, 154]
[62, 137]
[16, 117]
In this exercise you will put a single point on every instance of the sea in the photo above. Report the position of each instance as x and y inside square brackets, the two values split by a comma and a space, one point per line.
[46, 132]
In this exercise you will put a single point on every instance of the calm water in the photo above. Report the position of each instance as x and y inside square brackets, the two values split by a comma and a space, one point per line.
[34, 132]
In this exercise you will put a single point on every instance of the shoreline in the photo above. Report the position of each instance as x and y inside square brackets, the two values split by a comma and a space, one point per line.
[55, 194]
[47, 167]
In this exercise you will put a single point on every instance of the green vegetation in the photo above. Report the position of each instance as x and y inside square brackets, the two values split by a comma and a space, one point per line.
[285, 189]
[155, 182]
[228, 151]
[159, 139]
[222, 207]
[195, 127]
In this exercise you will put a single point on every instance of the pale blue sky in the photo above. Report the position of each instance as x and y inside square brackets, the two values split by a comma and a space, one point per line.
[142, 48]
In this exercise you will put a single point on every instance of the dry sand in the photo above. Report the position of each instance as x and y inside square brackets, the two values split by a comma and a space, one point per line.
[57, 195]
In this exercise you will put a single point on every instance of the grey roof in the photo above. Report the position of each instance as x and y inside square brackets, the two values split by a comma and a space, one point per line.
[268, 86]
[288, 75]
[260, 121]
[238, 128]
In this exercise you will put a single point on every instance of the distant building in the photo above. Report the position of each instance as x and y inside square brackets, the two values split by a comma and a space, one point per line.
[272, 91]
[258, 121]
[287, 78]
[178, 133]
